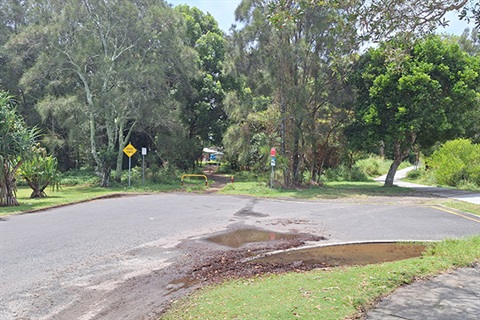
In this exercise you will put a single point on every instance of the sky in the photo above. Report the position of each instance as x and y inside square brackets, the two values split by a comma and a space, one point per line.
[224, 12]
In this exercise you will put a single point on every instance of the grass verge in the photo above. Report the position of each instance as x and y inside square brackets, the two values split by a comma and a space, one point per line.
[75, 194]
[337, 293]
[331, 190]
[65, 195]
[463, 206]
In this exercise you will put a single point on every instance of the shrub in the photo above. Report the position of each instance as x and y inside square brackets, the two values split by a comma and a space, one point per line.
[414, 174]
[456, 163]
[370, 166]
[343, 173]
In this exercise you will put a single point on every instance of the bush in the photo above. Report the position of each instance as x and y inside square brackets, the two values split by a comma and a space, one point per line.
[414, 174]
[456, 163]
[83, 176]
[343, 173]
[225, 168]
[370, 166]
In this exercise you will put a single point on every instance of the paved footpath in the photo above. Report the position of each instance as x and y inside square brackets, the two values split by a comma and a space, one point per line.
[450, 296]
[462, 195]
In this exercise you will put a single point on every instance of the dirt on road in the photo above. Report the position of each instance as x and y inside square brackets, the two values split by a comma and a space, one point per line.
[202, 263]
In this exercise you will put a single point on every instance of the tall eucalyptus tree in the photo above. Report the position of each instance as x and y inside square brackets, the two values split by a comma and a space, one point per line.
[296, 59]
[113, 62]
[202, 101]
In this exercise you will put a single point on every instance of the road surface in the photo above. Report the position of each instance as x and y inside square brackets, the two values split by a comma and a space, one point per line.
[110, 258]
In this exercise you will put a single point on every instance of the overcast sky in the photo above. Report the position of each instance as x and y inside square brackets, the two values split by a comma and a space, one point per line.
[224, 13]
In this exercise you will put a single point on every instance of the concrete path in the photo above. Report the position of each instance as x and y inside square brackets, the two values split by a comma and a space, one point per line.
[472, 197]
[450, 296]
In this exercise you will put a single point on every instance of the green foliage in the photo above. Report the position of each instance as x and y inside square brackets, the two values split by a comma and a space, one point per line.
[456, 163]
[414, 174]
[83, 176]
[40, 171]
[370, 166]
[344, 173]
[363, 169]
[201, 99]
[15, 147]
[414, 94]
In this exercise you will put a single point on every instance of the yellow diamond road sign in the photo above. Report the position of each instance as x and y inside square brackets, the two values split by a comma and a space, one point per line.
[129, 150]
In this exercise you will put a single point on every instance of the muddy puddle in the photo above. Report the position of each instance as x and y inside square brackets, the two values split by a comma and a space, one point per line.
[349, 254]
[239, 238]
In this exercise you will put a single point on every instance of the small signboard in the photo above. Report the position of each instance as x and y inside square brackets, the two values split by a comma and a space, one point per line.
[272, 152]
[273, 161]
[129, 150]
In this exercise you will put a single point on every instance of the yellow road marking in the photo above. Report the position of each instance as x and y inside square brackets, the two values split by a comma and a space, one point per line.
[457, 214]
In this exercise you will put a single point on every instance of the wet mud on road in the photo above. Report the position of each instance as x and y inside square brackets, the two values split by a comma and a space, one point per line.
[202, 262]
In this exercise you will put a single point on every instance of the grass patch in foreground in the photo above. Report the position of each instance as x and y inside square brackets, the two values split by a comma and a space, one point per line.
[335, 293]
[331, 190]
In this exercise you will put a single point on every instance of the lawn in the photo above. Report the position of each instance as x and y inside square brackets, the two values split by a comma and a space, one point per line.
[331, 190]
[65, 195]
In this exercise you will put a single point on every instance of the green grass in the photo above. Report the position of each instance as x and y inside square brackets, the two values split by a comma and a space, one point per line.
[427, 178]
[463, 206]
[65, 195]
[331, 190]
[78, 193]
[336, 293]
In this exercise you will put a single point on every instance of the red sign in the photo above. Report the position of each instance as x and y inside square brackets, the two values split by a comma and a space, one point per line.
[272, 152]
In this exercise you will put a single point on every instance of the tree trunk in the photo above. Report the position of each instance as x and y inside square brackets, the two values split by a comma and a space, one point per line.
[119, 165]
[38, 192]
[122, 142]
[106, 170]
[398, 156]
[391, 173]
[296, 159]
[9, 184]
[10, 199]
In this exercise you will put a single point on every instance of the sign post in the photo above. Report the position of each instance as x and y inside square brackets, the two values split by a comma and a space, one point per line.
[129, 150]
[144, 153]
[272, 163]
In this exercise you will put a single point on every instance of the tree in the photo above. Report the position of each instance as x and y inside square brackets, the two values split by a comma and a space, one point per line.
[202, 101]
[427, 96]
[471, 11]
[455, 163]
[289, 53]
[115, 62]
[380, 20]
[40, 171]
[15, 145]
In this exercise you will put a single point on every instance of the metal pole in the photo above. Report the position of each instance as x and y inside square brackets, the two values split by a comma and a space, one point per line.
[129, 169]
[143, 169]
[271, 177]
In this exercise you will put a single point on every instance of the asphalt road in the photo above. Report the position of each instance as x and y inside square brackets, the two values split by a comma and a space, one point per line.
[54, 264]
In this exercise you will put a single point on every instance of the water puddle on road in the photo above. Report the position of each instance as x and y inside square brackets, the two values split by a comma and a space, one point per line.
[238, 238]
[349, 254]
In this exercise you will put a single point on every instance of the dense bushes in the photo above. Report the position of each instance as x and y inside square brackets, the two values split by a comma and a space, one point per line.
[456, 164]
[363, 170]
